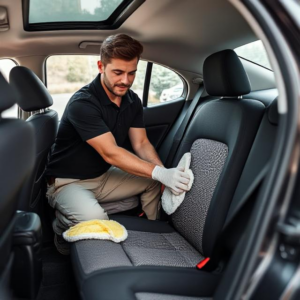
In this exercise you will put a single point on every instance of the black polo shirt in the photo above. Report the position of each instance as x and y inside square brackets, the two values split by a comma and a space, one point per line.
[90, 113]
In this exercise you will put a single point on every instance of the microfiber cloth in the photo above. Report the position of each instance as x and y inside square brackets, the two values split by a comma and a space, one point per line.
[96, 229]
[171, 202]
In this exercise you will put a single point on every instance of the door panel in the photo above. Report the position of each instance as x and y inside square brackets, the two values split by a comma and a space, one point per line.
[160, 118]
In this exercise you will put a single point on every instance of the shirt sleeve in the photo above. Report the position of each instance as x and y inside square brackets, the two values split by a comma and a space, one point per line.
[86, 119]
[138, 121]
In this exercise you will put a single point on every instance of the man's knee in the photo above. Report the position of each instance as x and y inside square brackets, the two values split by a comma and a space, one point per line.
[95, 212]
[78, 204]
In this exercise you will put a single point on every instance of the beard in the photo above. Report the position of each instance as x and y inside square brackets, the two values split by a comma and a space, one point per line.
[111, 87]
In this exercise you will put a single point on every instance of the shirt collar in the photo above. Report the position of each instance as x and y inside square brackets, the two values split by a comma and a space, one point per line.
[102, 96]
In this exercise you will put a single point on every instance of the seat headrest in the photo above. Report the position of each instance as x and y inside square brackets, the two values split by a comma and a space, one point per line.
[33, 93]
[8, 95]
[224, 75]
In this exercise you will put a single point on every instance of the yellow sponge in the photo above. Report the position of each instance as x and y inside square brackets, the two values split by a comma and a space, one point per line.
[96, 229]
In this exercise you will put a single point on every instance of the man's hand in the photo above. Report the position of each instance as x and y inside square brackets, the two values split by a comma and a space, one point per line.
[174, 178]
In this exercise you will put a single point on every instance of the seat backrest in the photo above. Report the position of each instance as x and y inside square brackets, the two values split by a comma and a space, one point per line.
[258, 159]
[35, 98]
[17, 150]
[219, 136]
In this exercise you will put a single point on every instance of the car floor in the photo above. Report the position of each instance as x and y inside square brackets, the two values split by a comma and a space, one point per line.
[58, 281]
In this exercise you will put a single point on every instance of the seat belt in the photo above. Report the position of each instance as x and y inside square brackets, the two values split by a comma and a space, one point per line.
[230, 227]
[181, 129]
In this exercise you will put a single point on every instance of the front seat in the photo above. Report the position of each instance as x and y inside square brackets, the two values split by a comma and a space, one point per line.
[17, 151]
[34, 97]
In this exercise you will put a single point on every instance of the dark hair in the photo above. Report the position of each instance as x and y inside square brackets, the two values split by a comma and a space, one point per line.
[120, 46]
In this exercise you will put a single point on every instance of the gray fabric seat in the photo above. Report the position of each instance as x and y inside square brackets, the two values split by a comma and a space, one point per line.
[257, 160]
[219, 136]
[140, 249]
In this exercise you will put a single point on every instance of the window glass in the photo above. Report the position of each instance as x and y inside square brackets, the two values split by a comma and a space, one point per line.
[5, 67]
[45, 11]
[66, 74]
[254, 52]
[165, 85]
[138, 84]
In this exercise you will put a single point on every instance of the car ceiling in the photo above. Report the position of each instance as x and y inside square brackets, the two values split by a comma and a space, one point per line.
[176, 33]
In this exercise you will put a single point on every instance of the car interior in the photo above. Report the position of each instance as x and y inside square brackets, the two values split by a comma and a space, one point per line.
[199, 94]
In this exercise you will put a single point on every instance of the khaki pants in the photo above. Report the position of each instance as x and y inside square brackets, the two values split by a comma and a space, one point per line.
[80, 200]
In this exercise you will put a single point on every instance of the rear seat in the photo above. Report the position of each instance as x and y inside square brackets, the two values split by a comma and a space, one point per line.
[160, 258]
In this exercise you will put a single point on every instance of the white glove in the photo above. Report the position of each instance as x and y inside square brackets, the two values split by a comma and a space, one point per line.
[174, 178]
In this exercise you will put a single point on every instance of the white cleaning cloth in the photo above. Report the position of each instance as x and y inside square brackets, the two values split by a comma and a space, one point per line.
[171, 202]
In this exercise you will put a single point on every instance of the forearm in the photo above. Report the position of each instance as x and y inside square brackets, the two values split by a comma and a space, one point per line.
[148, 153]
[129, 162]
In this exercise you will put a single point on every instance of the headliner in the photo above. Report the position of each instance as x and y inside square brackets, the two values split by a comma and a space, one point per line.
[177, 33]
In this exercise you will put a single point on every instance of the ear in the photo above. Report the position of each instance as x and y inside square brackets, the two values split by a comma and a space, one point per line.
[100, 66]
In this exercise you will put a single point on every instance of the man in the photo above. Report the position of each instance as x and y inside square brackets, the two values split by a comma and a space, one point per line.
[88, 165]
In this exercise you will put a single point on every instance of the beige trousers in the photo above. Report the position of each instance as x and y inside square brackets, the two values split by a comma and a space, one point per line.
[80, 200]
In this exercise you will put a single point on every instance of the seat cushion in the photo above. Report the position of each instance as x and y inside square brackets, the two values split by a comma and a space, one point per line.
[153, 243]
[163, 247]
[160, 249]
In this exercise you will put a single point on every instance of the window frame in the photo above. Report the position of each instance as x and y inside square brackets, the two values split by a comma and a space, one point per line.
[148, 81]
[116, 19]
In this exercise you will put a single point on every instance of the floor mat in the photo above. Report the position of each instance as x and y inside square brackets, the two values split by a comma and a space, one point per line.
[58, 280]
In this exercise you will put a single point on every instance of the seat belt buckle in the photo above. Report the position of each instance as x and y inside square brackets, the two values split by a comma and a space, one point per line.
[202, 263]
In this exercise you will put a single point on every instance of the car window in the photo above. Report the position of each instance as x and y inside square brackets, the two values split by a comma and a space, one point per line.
[165, 85]
[5, 67]
[41, 15]
[66, 74]
[254, 52]
[41, 11]
[139, 81]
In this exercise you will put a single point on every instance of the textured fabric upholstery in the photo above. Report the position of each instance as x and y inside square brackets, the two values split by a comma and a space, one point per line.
[152, 296]
[208, 158]
[160, 249]
[139, 249]
[95, 255]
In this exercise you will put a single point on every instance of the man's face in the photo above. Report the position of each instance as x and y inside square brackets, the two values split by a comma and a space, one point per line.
[118, 75]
